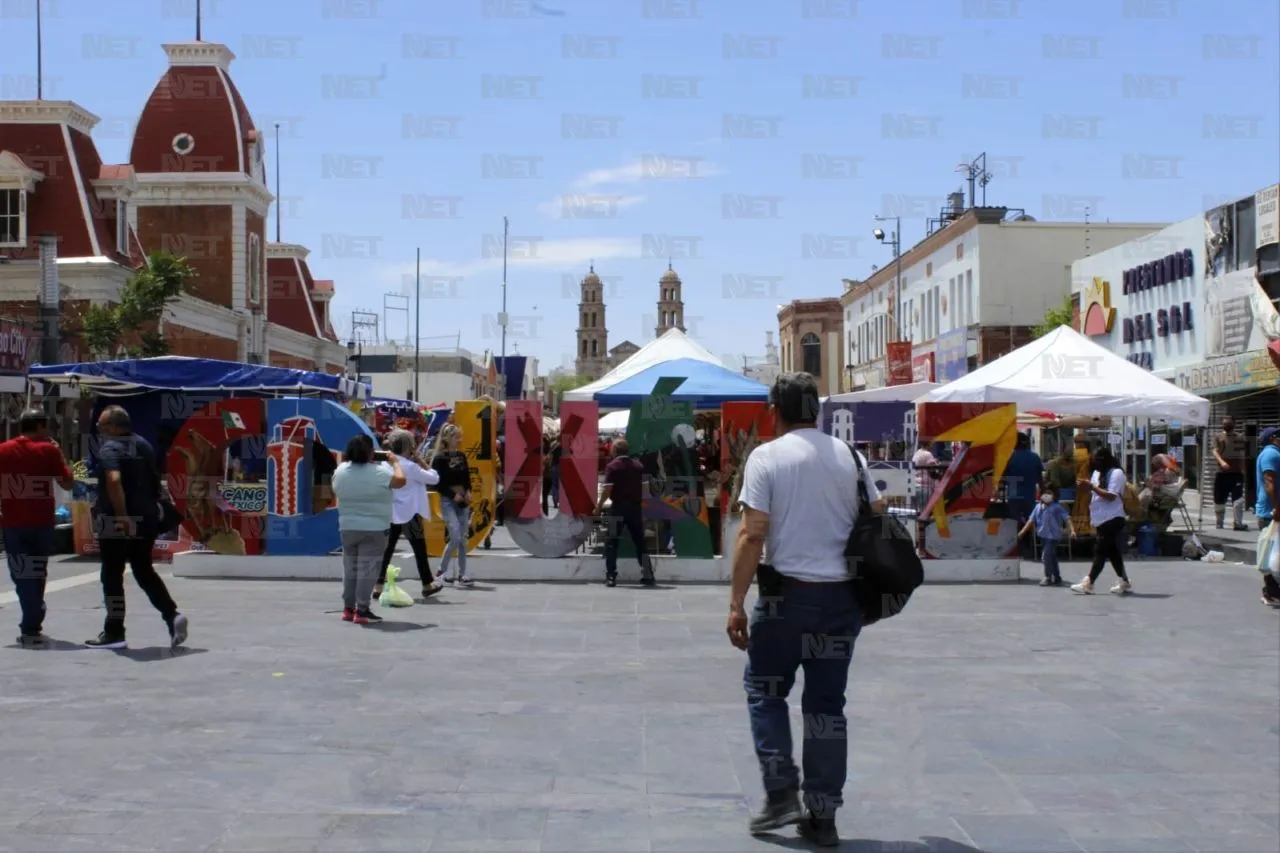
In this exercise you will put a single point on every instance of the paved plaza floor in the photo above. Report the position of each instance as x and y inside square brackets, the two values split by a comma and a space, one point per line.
[1002, 719]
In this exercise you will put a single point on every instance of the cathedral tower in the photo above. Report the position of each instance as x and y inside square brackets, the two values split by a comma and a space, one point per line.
[593, 336]
[670, 303]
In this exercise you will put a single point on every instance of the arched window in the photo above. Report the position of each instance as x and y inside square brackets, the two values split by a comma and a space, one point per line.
[811, 352]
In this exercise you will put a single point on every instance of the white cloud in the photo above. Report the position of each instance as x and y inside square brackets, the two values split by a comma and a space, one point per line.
[543, 254]
[582, 205]
[597, 189]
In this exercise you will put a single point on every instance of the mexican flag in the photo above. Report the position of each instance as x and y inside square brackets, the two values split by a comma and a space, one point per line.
[231, 420]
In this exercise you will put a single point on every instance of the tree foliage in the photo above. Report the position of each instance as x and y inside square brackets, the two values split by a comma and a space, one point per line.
[566, 382]
[143, 301]
[1053, 318]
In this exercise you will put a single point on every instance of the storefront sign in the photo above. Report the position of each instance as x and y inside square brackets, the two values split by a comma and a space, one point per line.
[1246, 372]
[1097, 315]
[1153, 274]
[17, 344]
[1266, 207]
[1145, 360]
[1163, 323]
[952, 355]
[898, 356]
[922, 368]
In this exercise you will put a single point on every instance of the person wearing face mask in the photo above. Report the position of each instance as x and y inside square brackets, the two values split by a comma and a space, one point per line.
[1049, 518]
[1232, 455]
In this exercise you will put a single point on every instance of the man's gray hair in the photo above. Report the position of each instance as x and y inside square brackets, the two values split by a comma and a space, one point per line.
[401, 442]
[117, 417]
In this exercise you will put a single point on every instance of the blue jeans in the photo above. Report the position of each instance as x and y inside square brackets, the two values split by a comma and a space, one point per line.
[1049, 556]
[27, 550]
[457, 520]
[813, 626]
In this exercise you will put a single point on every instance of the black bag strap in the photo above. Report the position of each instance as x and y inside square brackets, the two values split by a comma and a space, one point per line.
[860, 471]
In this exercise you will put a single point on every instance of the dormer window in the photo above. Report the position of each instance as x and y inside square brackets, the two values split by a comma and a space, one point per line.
[122, 227]
[13, 218]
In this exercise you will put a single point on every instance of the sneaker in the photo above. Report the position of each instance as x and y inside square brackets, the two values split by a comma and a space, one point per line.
[32, 641]
[647, 579]
[1056, 582]
[1270, 600]
[1082, 588]
[1240, 528]
[780, 809]
[819, 831]
[366, 617]
[488, 543]
[465, 583]
[348, 614]
[1046, 582]
[431, 589]
[1122, 588]
[107, 641]
[178, 631]
[611, 580]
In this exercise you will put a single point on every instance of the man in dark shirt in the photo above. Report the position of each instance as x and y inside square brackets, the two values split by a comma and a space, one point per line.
[1022, 477]
[624, 492]
[127, 520]
[29, 466]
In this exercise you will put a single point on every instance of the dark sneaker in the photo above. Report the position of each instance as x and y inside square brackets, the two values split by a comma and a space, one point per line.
[819, 831]
[178, 631]
[1240, 528]
[647, 579]
[779, 810]
[488, 543]
[611, 580]
[348, 614]
[367, 617]
[32, 641]
[432, 589]
[107, 641]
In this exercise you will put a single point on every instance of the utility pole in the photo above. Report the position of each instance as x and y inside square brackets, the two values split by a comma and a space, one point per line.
[417, 324]
[39, 52]
[502, 318]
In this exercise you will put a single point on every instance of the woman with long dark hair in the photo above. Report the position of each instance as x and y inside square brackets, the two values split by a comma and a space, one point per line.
[408, 507]
[1105, 490]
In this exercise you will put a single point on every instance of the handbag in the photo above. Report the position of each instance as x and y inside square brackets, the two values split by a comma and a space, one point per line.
[881, 555]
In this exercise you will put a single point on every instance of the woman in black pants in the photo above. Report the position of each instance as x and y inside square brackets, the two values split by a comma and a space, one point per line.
[1105, 489]
[410, 505]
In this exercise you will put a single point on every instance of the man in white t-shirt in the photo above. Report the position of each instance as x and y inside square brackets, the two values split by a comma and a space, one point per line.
[799, 498]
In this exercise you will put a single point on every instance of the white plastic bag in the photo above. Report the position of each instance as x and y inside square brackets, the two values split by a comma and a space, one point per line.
[1213, 557]
[1269, 550]
[392, 594]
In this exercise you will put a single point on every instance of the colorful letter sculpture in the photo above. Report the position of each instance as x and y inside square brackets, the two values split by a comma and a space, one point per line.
[743, 427]
[960, 522]
[477, 418]
[281, 517]
[197, 473]
[566, 531]
[661, 433]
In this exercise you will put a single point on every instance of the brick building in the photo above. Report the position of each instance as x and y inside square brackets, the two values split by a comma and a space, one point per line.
[195, 186]
[809, 331]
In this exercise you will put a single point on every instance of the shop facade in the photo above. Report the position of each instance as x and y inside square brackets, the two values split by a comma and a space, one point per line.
[1188, 304]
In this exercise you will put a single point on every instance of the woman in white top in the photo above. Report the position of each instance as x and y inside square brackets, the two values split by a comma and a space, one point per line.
[410, 505]
[1107, 516]
[922, 463]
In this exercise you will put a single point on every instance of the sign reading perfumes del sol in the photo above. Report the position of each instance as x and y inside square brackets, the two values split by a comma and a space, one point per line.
[1164, 322]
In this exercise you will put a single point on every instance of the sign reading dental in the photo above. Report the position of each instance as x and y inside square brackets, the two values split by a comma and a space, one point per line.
[1164, 322]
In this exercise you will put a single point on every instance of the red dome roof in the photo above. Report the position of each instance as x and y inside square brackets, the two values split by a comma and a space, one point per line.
[195, 119]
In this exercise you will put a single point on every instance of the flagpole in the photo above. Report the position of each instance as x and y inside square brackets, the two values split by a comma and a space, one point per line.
[39, 52]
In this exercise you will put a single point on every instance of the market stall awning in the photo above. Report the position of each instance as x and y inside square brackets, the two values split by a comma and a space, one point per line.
[1068, 374]
[704, 383]
[195, 375]
[908, 393]
[674, 345]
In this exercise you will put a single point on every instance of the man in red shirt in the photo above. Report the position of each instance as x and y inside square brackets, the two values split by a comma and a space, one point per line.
[29, 466]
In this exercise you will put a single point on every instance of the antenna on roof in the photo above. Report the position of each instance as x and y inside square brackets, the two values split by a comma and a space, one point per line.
[198, 16]
[39, 53]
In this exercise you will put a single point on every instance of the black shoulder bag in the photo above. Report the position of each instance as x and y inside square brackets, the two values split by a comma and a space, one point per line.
[882, 559]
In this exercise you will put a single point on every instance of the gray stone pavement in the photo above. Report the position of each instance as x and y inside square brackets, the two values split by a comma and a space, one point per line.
[1003, 719]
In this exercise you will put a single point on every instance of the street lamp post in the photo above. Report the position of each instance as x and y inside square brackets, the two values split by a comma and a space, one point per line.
[895, 240]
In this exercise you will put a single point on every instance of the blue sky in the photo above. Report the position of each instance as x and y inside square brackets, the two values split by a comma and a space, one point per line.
[390, 141]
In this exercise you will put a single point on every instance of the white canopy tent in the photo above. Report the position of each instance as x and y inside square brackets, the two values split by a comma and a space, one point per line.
[615, 423]
[673, 345]
[1068, 374]
[888, 394]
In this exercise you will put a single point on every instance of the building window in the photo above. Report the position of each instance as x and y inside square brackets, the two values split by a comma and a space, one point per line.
[1246, 235]
[184, 143]
[811, 351]
[595, 349]
[959, 251]
[255, 268]
[122, 227]
[13, 218]
[584, 347]
[970, 310]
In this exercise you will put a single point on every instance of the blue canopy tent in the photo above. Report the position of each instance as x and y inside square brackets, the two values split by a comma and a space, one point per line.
[196, 376]
[706, 385]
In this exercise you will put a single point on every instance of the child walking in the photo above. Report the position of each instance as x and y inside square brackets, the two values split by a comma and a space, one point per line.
[1048, 519]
